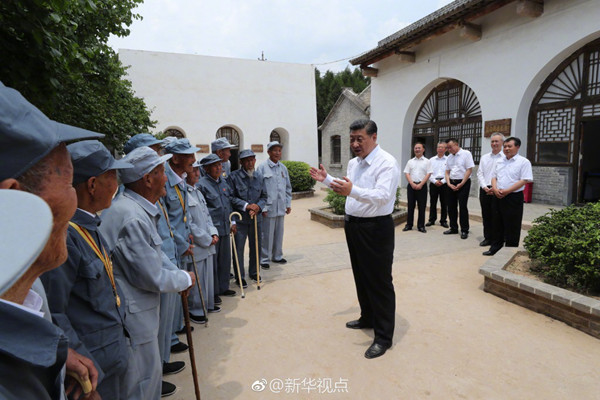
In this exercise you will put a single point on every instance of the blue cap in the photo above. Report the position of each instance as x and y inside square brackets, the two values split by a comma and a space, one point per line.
[221, 143]
[144, 160]
[26, 226]
[27, 135]
[273, 143]
[210, 159]
[247, 153]
[139, 140]
[181, 146]
[91, 158]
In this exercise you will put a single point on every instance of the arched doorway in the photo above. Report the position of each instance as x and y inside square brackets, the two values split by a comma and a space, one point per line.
[564, 122]
[451, 110]
[282, 136]
[233, 136]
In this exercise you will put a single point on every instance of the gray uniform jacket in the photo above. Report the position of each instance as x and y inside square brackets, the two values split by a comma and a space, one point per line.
[279, 189]
[82, 301]
[140, 266]
[181, 229]
[164, 231]
[201, 224]
[219, 200]
[250, 190]
[33, 352]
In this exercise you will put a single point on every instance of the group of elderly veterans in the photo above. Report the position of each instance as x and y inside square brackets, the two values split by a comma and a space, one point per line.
[502, 176]
[91, 282]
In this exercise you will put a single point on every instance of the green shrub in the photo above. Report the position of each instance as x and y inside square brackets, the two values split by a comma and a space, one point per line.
[336, 201]
[566, 245]
[299, 175]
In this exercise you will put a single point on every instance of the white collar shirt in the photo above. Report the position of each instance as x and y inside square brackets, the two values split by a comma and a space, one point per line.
[32, 304]
[374, 182]
[438, 169]
[487, 165]
[418, 168]
[459, 163]
[510, 171]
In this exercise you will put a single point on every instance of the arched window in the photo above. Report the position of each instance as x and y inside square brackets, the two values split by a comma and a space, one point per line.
[230, 133]
[451, 110]
[336, 149]
[275, 137]
[175, 133]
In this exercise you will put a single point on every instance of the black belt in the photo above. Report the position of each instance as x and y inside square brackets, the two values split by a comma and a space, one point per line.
[453, 181]
[361, 220]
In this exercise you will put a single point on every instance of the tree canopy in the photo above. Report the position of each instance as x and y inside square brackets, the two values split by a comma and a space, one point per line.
[330, 86]
[56, 54]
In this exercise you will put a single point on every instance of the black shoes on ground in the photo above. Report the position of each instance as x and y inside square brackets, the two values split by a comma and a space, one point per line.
[489, 252]
[179, 347]
[407, 228]
[444, 224]
[357, 324]
[464, 235]
[254, 278]
[422, 230]
[429, 223]
[265, 266]
[173, 367]
[282, 261]
[218, 300]
[244, 284]
[485, 242]
[214, 310]
[167, 389]
[375, 350]
[228, 293]
[197, 319]
[451, 232]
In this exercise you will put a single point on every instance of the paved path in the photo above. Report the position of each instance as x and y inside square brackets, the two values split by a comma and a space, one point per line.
[452, 340]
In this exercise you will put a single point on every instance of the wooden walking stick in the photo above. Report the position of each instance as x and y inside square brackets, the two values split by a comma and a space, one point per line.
[257, 255]
[188, 331]
[200, 291]
[234, 252]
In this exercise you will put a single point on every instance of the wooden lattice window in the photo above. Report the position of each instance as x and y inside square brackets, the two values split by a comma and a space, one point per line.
[230, 133]
[275, 137]
[175, 133]
[451, 110]
[336, 149]
[570, 93]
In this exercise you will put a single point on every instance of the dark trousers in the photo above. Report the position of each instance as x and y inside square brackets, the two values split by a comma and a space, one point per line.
[371, 247]
[222, 264]
[458, 200]
[420, 197]
[434, 193]
[506, 222]
[244, 231]
[485, 201]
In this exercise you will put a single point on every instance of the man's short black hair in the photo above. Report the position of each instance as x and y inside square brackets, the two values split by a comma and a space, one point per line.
[369, 126]
[455, 140]
[514, 139]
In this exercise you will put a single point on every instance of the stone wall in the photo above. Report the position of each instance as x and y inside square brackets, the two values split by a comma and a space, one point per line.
[552, 185]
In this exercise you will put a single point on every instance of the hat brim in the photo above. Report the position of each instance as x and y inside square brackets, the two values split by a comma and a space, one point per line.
[68, 133]
[26, 227]
[120, 164]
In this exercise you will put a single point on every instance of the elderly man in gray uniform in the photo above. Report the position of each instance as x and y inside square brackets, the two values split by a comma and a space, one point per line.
[176, 205]
[82, 294]
[222, 148]
[279, 203]
[34, 158]
[217, 193]
[248, 186]
[206, 236]
[141, 268]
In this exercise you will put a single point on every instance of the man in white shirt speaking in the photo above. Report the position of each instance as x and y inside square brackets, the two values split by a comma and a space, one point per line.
[370, 190]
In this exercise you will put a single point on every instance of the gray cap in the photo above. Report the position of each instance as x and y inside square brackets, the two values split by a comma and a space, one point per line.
[273, 143]
[27, 135]
[247, 153]
[196, 164]
[92, 158]
[221, 143]
[139, 140]
[181, 146]
[26, 227]
[210, 159]
[144, 160]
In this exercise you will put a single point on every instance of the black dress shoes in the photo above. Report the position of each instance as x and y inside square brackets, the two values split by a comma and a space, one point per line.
[488, 253]
[282, 261]
[485, 242]
[357, 324]
[464, 235]
[265, 266]
[422, 230]
[430, 223]
[444, 224]
[375, 350]
[450, 232]
[167, 389]
[179, 347]
[407, 228]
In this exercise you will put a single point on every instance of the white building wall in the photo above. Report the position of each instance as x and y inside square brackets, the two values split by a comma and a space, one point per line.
[505, 68]
[200, 94]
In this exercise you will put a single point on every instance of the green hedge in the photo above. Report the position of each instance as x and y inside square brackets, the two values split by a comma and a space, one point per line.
[299, 175]
[566, 244]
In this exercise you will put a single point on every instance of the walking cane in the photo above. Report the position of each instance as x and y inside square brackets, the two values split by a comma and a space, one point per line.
[188, 331]
[237, 261]
[200, 291]
[257, 255]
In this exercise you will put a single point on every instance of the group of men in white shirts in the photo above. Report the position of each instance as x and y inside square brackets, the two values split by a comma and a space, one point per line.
[502, 175]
